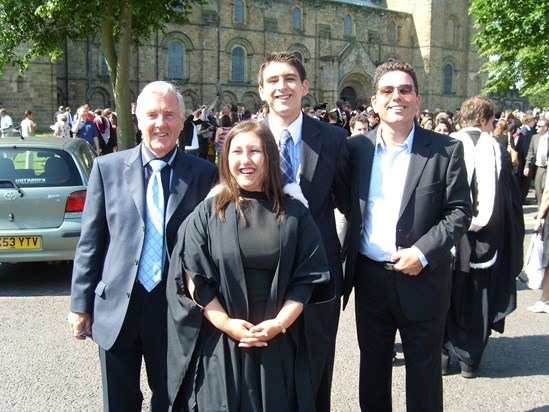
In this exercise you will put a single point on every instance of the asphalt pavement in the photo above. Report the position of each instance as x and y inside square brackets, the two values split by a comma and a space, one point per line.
[45, 369]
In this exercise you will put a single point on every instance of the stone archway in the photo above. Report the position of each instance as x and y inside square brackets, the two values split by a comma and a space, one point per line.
[348, 94]
[356, 89]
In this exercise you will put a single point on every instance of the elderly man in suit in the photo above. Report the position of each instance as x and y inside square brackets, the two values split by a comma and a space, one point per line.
[536, 159]
[136, 201]
[410, 204]
[315, 156]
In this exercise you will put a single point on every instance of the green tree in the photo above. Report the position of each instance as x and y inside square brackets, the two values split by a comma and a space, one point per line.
[33, 28]
[514, 36]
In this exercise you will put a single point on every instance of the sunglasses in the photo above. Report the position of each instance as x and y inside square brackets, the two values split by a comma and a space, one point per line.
[403, 90]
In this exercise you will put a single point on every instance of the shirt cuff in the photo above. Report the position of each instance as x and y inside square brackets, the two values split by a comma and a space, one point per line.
[422, 257]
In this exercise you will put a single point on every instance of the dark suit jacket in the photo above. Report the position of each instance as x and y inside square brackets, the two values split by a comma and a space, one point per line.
[325, 174]
[532, 153]
[523, 142]
[113, 231]
[435, 212]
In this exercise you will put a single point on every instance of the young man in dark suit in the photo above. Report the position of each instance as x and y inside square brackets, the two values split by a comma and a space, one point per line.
[410, 204]
[319, 164]
[111, 298]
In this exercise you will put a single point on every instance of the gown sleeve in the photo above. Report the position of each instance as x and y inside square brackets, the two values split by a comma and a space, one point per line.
[196, 259]
[310, 264]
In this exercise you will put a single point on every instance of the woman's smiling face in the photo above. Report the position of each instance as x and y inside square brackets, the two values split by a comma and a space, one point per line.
[247, 161]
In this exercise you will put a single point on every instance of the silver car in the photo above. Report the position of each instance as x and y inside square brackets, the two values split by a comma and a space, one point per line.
[43, 183]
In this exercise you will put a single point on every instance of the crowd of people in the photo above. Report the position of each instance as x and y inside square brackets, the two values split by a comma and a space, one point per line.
[211, 250]
[98, 128]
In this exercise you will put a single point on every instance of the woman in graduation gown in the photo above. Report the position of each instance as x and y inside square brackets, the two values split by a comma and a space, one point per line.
[246, 328]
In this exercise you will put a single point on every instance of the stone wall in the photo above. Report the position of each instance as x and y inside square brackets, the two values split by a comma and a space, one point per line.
[413, 30]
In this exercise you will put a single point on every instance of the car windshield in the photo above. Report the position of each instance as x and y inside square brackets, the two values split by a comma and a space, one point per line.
[37, 167]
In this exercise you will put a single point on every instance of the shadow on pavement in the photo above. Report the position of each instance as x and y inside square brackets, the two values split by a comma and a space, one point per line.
[507, 357]
[35, 279]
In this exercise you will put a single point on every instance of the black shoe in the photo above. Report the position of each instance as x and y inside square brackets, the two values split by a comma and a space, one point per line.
[468, 371]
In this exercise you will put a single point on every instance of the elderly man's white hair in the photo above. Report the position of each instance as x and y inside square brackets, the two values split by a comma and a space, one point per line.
[161, 88]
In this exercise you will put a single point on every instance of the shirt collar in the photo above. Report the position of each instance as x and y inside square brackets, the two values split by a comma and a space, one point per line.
[147, 156]
[294, 128]
[407, 145]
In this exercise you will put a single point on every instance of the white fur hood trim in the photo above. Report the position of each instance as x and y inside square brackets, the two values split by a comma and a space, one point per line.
[484, 159]
[294, 190]
[214, 191]
[291, 189]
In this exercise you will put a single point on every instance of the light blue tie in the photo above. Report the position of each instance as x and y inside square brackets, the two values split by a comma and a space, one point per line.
[285, 160]
[152, 255]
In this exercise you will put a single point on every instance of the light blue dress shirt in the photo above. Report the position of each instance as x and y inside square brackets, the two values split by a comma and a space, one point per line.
[389, 171]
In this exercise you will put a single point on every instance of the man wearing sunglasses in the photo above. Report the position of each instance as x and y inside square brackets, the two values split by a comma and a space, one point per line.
[410, 204]
[536, 159]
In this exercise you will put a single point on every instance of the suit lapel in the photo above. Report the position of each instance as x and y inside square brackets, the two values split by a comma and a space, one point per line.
[311, 145]
[367, 149]
[421, 150]
[133, 174]
[181, 180]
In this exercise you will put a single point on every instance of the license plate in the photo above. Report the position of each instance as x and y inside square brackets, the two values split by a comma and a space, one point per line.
[20, 242]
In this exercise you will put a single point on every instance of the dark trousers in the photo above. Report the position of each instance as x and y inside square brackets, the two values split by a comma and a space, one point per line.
[378, 316]
[323, 397]
[143, 336]
[539, 182]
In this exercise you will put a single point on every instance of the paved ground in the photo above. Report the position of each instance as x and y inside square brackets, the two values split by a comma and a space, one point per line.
[44, 369]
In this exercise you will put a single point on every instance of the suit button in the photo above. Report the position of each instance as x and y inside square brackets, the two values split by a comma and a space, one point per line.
[136, 262]
[128, 295]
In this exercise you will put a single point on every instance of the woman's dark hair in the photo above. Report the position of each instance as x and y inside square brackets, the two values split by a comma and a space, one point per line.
[500, 129]
[226, 121]
[272, 185]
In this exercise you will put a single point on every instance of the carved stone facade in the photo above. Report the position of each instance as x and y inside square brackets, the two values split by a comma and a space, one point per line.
[340, 42]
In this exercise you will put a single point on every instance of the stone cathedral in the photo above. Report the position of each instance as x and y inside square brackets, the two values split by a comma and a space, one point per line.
[339, 41]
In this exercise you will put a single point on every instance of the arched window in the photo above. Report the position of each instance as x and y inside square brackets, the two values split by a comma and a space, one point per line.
[347, 26]
[238, 11]
[391, 32]
[176, 60]
[348, 94]
[448, 78]
[104, 68]
[237, 64]
[296, 18]
[451, 32]
[299, 56]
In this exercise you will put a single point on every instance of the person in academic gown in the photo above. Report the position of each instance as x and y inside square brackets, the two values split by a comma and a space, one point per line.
[246, 328]
[489, 257]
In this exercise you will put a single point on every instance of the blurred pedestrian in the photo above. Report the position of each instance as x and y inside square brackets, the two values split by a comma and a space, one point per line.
[28, 127]
[6, 123]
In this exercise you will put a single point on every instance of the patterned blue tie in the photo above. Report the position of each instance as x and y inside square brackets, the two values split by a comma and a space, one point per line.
[152, 255]
[285, 161]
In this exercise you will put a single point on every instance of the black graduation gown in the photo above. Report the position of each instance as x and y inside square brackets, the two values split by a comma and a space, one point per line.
[207, 370]
[482, 298]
